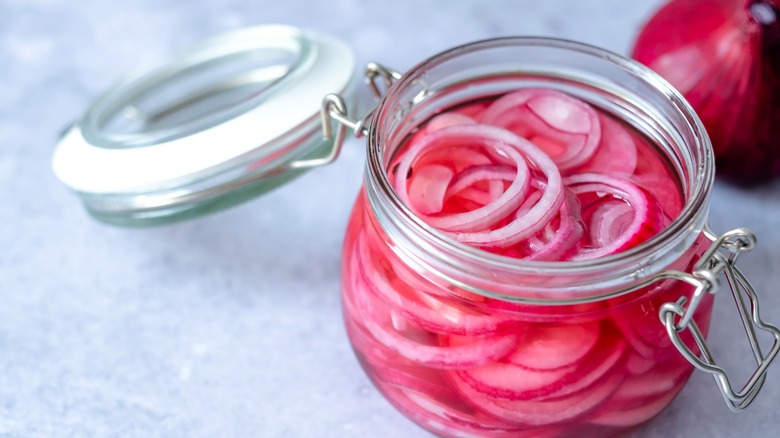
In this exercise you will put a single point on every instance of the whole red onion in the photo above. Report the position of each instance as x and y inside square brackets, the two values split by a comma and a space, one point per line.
[724, 56]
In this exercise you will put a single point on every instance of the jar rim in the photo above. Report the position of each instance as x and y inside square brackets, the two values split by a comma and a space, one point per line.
[693, 212]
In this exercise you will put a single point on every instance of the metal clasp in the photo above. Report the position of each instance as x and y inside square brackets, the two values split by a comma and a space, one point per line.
[334, 110]
[374, 71]
[705, 277]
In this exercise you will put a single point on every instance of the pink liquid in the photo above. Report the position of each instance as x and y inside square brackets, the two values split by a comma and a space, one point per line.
[460, 364]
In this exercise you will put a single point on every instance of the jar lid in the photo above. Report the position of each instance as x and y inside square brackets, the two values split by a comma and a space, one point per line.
[210, 127]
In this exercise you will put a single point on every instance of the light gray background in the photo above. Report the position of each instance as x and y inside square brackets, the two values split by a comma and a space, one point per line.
[230, 325]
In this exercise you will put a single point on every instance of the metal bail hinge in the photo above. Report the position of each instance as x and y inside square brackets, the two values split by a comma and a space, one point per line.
[334, 110]
[389, 76]
[705, 277]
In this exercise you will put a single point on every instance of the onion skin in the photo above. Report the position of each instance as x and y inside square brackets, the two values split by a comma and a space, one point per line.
[724, 56]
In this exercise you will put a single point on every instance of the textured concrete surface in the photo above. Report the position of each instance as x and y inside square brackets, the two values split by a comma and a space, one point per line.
[230, 325]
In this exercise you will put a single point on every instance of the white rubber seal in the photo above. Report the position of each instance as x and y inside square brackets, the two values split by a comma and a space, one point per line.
[90, 168]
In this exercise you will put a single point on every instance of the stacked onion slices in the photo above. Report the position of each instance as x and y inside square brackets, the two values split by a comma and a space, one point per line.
[535, 174]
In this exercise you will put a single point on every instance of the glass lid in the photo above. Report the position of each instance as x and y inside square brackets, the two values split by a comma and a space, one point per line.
[207, 128]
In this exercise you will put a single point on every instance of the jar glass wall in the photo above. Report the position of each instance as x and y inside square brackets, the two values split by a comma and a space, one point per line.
[465, 342]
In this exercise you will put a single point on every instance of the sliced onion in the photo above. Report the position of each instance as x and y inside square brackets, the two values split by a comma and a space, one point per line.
[511, 382]
[393, 369]
[596, 367]
[458, 158]
[465, 135]
[612, 239]
[449, 119]
[428, 187]
[567, 129]
[665, 190]
[505, 193]
[608, 217]
[479, 197]
[616, 153]
[637, 364]
[446, 318]
[473, 109]
[651, 384]
[535, 218]
[481, 173]
[555, 347]
[494, 175]
[451, 417]
[541, 412]
[640, 398]
[561, 241]
[481, 350]
[531, 199]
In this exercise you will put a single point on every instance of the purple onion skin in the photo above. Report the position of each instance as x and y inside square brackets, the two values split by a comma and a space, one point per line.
[724, 56]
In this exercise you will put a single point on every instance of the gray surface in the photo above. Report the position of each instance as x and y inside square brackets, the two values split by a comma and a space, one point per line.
[230, 325]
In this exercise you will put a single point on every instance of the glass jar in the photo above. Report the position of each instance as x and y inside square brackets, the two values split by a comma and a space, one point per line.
[469, 343]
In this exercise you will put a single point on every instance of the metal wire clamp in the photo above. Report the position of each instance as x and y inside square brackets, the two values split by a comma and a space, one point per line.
[705, 277]
[334, 110]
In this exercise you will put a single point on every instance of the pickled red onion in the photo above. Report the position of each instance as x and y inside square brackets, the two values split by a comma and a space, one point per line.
[562, 240]
[475, 135]
[449, 119]
[444, 319]
[485, 186]
[426, 192]
[480, 351]
[540, 412]
[612, 239]
[555, 347]
[493, 174]
[566, 128]
[616, 153]
[464, 364]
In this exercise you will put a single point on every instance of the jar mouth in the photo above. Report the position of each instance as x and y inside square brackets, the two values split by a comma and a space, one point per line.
[697, 177]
